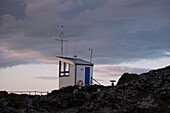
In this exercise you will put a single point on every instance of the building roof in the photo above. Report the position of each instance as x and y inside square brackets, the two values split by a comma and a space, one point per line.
[76, 61]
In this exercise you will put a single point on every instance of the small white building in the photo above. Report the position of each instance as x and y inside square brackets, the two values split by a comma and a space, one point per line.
[72, 70]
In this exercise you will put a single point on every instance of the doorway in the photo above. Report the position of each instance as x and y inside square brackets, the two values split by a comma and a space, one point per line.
[87, 76]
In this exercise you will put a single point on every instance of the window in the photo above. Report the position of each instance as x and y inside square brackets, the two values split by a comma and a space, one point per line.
[64, 69]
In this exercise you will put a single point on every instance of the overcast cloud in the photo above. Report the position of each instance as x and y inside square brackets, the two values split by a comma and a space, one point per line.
[117, 30]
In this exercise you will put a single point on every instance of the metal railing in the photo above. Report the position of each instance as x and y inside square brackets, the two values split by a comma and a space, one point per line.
[29, 92]
[92, 79]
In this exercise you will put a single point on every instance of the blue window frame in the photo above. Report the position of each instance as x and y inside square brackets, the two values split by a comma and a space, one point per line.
[64, 69]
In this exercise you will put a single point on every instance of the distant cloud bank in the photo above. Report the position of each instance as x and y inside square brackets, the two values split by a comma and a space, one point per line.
[117, 30]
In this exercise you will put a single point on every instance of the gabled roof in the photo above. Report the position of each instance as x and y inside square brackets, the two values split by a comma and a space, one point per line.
[76, 61]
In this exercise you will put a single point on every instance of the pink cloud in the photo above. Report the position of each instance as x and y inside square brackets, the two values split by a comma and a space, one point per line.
[110, 70]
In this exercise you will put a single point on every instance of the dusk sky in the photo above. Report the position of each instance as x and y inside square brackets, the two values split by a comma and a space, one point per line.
[126, 36]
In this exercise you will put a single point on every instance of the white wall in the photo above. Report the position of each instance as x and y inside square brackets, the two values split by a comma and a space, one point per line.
[68, 81]
[80, 75]
[91, 74]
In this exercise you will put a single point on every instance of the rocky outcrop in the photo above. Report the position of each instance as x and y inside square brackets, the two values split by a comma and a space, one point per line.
[126, 77]
[146, 93]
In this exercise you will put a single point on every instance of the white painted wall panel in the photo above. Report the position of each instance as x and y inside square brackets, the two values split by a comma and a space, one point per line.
[91, 74]
[68, 81]
[80, 75]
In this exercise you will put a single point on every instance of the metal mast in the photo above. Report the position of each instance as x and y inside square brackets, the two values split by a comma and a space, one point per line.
[91, 53]
[62, 40]
[61, 36]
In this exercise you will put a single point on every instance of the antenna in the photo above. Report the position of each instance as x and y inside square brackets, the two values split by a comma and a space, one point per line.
[62, 39]
[75, 52]
[91, 53]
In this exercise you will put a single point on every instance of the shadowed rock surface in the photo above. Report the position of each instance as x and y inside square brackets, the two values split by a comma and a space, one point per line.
[145, 93]
[126, 77]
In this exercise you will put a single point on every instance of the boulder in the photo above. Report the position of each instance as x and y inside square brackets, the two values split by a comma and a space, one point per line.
[126, 77]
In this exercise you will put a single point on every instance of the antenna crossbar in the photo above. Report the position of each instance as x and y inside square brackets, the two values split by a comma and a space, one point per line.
[62, 40]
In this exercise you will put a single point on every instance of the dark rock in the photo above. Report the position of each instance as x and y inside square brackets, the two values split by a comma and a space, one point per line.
[145, 93]
[126, 77]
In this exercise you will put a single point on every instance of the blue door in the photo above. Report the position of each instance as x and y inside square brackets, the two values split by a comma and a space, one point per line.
[87, 76]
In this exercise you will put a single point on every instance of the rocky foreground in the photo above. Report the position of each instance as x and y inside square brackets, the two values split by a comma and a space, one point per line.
[145, 93]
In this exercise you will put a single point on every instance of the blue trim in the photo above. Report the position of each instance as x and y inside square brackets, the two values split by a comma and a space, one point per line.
[64, 76]
[65, 73]
[87, 76]
[75, 75]
[59, 68]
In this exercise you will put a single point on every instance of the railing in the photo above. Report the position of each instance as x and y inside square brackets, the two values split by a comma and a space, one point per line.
[92, 79]
[30, 92]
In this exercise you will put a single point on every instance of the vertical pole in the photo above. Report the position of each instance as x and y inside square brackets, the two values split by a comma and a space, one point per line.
[62, 36]
[61, 47]
[91, 53]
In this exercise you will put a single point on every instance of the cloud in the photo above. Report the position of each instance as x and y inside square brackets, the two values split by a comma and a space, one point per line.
[167, 53]
[115, 71]
[15, 7]
[118, 31]
[46, 78]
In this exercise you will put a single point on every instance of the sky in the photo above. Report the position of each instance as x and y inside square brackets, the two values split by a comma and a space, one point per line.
[126, 36]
